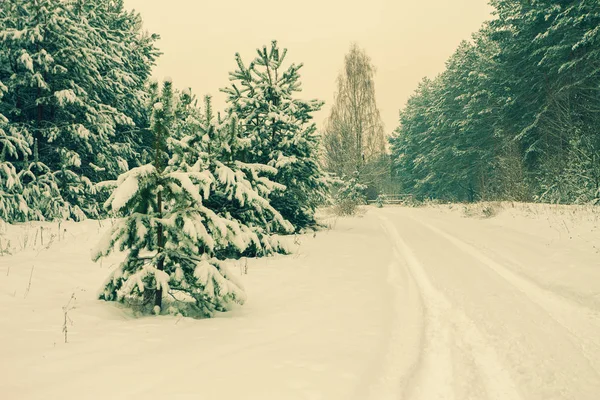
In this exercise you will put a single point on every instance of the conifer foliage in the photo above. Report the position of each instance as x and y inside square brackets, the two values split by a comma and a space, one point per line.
[241, 190]
[82, 126]
[186, 212]
[13, 144]
[73, 75]
[169, 235]
[515, 114]
[279, 131]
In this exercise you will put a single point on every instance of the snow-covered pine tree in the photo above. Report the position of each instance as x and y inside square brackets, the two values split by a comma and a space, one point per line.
[13, 146]
[125, 62]
[279, 131]
[174, 242]
[34, 35]
[74, 70]
[40, 190]
[240, 190]
[28, 190]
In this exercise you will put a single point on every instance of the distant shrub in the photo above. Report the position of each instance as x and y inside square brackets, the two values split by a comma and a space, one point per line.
[350, 196]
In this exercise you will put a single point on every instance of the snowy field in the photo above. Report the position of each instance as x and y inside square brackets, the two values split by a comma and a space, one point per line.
[444, 302]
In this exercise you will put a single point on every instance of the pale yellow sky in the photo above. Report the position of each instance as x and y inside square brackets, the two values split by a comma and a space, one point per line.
[406, 40]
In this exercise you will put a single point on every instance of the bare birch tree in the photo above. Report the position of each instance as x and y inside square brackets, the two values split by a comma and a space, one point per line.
[354, 133]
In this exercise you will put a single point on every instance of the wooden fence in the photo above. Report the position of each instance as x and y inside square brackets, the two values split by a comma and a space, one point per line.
[393, 198]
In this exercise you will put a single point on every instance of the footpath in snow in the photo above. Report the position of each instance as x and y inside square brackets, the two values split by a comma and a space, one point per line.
[398, 303]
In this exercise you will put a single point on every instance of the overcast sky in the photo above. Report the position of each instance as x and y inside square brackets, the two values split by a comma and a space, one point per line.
[406, 40]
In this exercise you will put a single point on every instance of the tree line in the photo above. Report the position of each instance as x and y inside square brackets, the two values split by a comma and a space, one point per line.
[514, 116]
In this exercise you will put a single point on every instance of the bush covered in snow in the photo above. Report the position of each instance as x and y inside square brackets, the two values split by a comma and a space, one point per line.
[350, 195]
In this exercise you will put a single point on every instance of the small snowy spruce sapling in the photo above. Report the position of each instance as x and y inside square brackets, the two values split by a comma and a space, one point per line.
[168, 233]
[350, 195]
[279, 130]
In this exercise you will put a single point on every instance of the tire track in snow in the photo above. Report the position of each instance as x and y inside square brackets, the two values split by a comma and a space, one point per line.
[434, 378]
[581, 323]
[399, 352]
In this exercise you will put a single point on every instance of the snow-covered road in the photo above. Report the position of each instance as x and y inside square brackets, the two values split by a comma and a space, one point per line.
[398, 303]
[491, 331]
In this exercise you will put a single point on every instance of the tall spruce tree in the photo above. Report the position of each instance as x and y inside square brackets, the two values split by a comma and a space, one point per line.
[412, 144]
[13, 145]
[277, 129]
[74, 73]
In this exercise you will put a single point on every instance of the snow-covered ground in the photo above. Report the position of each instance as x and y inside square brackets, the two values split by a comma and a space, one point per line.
[398, 303]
